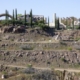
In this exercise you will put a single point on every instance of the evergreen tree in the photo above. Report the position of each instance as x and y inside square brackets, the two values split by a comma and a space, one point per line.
[6, 17]
[66, 23]
[43, 19]
[13, 19]
[25, 18]
[31, 17]
[48, 21]
[16, 14]
[58, 26]
[73, 23]
[79, 24]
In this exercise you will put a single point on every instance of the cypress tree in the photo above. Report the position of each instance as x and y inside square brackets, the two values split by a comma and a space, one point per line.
[48, 21]
[58, 26]
[43, 19]
[66, 23]
[79, 24]
[25, 18]
[13, 19]
[31, 17]
[6, 17]
[73, 22]
[16, 14]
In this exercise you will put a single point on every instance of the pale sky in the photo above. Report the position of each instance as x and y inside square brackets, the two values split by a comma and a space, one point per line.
[63, 8]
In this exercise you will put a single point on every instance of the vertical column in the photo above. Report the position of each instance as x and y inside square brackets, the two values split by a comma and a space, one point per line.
[59, 20]
[54, 18]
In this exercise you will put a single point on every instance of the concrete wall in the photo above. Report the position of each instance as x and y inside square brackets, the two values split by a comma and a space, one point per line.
[52, 24]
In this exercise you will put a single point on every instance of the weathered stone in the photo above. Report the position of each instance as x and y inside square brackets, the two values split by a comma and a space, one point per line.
[41, 52]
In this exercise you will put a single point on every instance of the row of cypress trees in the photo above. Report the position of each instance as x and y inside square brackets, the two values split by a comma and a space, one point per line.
[15, 18]
[57, 24]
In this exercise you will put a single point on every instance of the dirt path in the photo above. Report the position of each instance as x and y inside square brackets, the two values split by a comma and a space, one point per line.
[42, 68]
[46, 68]
[69, 70]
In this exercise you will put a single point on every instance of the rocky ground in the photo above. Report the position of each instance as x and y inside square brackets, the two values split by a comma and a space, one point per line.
[36, 74]
[36, 41]
[41, 49]
[41, 58]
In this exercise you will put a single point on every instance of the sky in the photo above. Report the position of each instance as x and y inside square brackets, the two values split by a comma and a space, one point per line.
[62, 8]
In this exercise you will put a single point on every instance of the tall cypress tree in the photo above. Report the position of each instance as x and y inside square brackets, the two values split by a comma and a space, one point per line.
[31, 17]
[48, 21]
[58, 26]
[25, 18]
[73, 22]
[16, 14]
[55, 20]
[79, 24]
[13, 19]
[66, 23]
[43, 19]
[6, 17]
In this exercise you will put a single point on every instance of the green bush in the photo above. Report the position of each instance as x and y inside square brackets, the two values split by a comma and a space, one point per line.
[40, 21]
[3, 22]
[69, 27]
[63, 59]
[29, 65]
[70, 48]
[77, 27]
[4, 72]
[25, 47]
[42, 26]
[63, 43]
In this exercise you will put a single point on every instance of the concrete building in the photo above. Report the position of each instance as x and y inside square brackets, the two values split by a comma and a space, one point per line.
[35, 18]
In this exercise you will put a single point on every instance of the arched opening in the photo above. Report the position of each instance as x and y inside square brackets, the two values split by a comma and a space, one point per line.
[3, 15]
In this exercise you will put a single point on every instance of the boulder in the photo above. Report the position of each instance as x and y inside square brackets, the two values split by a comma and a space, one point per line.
[19, 30]
[8, 29]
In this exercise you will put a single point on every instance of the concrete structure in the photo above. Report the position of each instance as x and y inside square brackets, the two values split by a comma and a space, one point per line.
[77, 22]
[1, 15]
[35, 18]
[52, 24]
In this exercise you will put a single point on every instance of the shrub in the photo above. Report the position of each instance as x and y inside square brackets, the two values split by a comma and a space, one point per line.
[69, 27]
[42, 26]
[69, 48]
[12, 39]
[5, 74]
[29, 65]
[25, 47]
[63, 43]
[63, 59]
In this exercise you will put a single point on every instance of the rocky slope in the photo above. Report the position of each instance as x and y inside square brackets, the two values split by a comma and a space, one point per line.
[41, 58]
